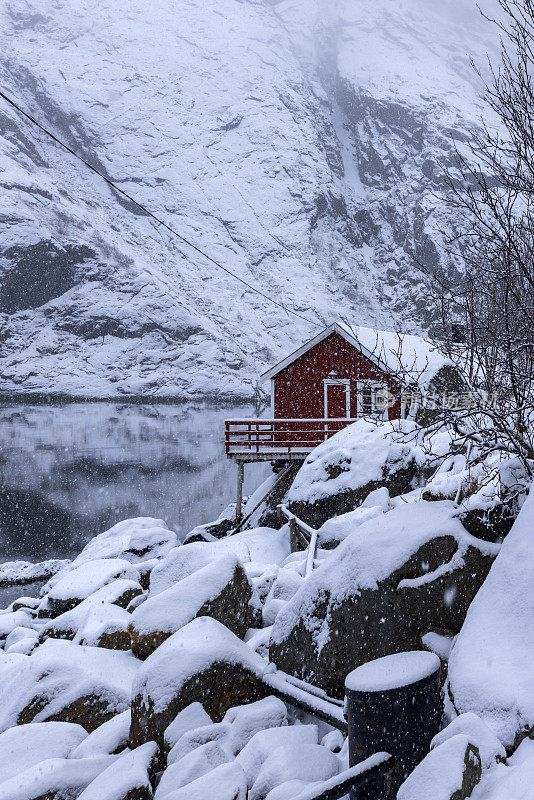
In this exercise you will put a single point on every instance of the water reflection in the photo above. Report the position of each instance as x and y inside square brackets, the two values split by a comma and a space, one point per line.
[68, 472]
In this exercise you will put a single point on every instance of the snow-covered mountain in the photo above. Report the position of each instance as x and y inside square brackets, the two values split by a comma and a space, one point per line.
[297, 142]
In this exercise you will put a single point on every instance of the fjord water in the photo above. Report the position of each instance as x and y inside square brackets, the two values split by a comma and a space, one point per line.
[70, 471]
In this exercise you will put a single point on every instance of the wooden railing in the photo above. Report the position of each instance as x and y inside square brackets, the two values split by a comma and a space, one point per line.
[279, 435]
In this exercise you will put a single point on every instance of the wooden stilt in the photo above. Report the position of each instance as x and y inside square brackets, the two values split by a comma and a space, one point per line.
[239, 499]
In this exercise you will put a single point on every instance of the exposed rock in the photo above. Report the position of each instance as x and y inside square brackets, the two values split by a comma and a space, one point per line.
[220, 590]
[204, 662]
[449, 772]
[396, 577]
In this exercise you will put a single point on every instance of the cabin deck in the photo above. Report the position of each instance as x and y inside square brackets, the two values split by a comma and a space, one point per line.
[278, 439]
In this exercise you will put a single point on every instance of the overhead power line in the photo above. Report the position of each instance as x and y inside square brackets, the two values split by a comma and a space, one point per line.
[150, 213]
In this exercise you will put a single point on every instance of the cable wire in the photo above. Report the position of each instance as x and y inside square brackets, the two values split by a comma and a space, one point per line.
[150, 213]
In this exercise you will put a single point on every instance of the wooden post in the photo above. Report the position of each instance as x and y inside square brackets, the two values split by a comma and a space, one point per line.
[293, 546]
[239, 499]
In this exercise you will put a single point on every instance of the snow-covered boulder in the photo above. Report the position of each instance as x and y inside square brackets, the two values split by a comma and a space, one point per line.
[80, 582]
[225, 782]
[19, 635]
[128, 778]
[247, 720]
[106, 625]
[449, 772]
[338, 475]
[19, 573]
[25, 745]
[220, 590]
[107, 739]
[396, 577]
[303, 762]
[489, 747]
[191, 717]
[490, 491]
[134, 540]
[12, 620]
[257, 751]
[108, 601]
[215, 733]
[54, 779]
[204, 662]
[490, 666]
[198, 762]
[259, 545]
[66, 682]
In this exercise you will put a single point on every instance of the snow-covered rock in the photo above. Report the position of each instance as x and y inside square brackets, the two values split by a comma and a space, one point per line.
[219, 733]
[247, 720]
[109, 738]
[204, 662]
[489, 670]
[13, 573]
[136, 540]
[339, 474]
[58, 778]
[12, 620]
[304, 762]
[257, 751]
[79, 583]
[128, 777]
[198, 762]
[106, 625]
[67, 682]
[111, 598]
[220, 590]
[259, 545]
[489, 747]
[399, 575]
[191, 717]
[225, 782]
[449, 772]
[25, 745]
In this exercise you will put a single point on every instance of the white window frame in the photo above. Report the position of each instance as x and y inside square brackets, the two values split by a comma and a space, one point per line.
[361, 385]
[337, 382]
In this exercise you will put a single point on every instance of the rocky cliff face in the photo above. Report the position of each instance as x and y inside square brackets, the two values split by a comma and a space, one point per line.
[298, 142]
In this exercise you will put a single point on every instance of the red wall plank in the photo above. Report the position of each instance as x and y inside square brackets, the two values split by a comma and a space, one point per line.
[299, 388]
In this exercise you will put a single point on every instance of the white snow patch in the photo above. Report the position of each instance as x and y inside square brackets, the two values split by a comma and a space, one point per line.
[393, 671]
[488, 665]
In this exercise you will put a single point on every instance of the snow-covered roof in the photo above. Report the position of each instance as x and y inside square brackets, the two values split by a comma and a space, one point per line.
[406, 356]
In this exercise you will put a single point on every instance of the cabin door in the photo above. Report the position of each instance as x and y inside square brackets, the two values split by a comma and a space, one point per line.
[336, 399]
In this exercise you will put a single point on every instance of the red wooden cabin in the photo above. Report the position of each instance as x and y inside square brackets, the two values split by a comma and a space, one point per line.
[341, 374]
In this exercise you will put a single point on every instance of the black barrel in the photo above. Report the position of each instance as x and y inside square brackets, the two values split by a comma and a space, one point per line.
[393, 704]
